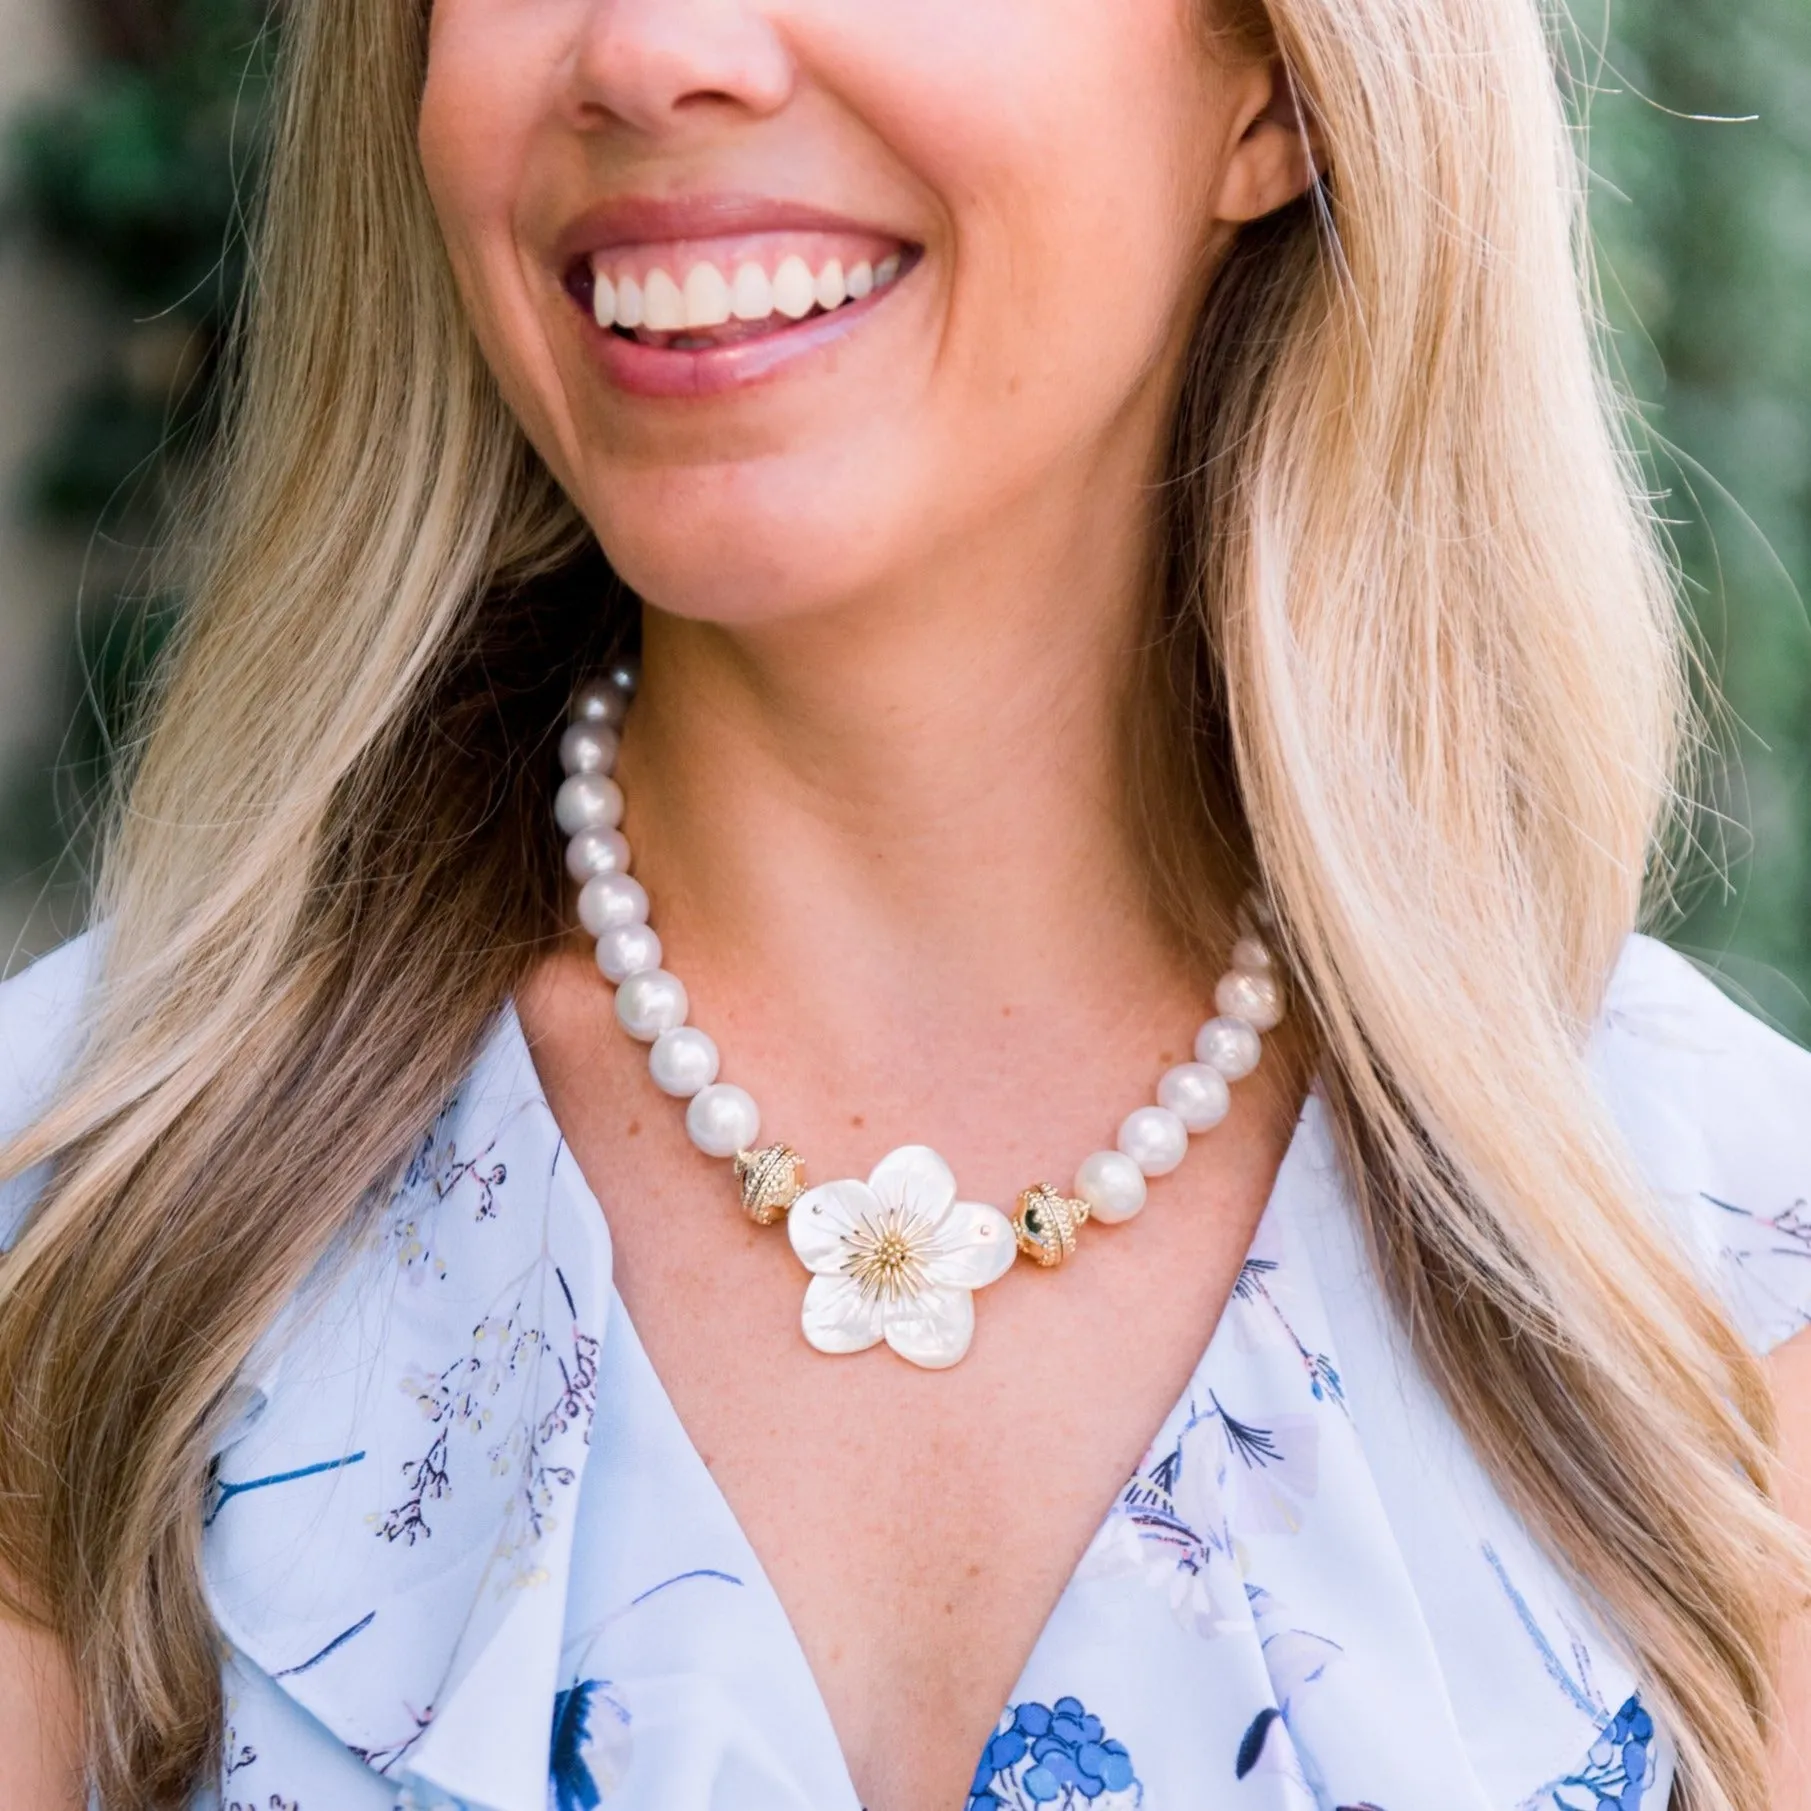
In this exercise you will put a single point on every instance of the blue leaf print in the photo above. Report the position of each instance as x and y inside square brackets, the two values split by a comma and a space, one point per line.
[573, 1784]
[1053, 1754]
[1252, 1747]
[1255, 1445]
[1253, 1287]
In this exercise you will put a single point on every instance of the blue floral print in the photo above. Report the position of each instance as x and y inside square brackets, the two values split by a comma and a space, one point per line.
[1053, 1754]
[436, 1171]
[585, 1717]
[1764, 1259]
[593, 1727]
[1617, 1773]
[1323, 1374]
[236, 1757]
[462, 1395]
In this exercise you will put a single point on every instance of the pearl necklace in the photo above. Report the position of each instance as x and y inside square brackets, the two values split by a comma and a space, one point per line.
[897, 1257]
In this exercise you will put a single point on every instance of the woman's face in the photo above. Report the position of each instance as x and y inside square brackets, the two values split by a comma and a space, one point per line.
[876, 277]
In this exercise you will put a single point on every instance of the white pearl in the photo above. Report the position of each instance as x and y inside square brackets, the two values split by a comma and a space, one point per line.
[1229, 1045]
[598, 701]
[683, 1062]
[597, 852]
[630, 949]
[625, 675]
[1154, 1138]
[1112, 1185]
[609, 901]
[723, 1120]
[1251, 956]
[1196, 1094]
[588, 801]
[589, 748]
[1257, 999]
[650, 1003]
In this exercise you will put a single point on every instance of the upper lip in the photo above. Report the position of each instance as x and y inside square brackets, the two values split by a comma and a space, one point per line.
[652, 220]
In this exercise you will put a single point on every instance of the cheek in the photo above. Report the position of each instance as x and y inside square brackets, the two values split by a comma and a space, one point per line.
[483, 104]
[1070, 142]
[464, 133]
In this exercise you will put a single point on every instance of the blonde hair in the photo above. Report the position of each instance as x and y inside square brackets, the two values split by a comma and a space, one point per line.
[1420, 632]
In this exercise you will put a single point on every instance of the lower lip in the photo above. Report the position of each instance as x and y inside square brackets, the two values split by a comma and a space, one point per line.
[666, 372]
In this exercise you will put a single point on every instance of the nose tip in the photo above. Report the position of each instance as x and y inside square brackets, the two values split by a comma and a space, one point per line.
[655, 64]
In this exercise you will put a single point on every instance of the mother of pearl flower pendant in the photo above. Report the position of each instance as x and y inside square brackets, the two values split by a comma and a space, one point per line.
[894, 1260]
[898, 1258]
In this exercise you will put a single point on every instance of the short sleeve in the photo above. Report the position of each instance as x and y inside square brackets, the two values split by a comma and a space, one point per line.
[40, 1036]
[1717, 1108]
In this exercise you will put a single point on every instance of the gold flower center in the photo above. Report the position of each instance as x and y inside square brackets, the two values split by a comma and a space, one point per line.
[883, 1258]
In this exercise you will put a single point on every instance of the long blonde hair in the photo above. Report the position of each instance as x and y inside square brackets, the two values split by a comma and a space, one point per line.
[1420, 632]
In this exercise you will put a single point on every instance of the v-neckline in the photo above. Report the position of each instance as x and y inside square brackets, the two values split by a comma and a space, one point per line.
[1295, 1156]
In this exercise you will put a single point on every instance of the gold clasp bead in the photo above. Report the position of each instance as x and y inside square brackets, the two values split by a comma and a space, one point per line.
[1047, 1223]
[772, 1178]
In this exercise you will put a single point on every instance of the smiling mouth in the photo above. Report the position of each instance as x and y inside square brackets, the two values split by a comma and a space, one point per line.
[699, 298]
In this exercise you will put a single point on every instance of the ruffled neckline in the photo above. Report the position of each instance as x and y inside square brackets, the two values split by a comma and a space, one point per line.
[390, 1539]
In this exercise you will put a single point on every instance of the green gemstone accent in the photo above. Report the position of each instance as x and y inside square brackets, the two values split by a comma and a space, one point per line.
[1034, 1223]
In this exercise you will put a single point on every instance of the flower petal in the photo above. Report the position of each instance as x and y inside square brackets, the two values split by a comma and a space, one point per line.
[932, 1328]
[915, 1178]
[973, 1247]
[822, 1216]
[838, 1317]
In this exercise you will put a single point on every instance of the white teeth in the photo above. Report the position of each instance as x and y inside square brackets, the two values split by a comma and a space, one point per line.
[662, 304]
[709, 299]
[706, 297]
[752, 297]
[794, 289]
[629, 312]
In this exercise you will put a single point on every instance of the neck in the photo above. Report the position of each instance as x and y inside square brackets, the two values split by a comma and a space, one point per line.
[917, 802]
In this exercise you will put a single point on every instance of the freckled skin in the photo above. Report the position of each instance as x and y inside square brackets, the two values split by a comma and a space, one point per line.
[1790, 1374]
[873, 772]
[39, 1725]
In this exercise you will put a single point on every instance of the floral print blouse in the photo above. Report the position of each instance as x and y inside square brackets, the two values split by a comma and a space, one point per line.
[463, 1554]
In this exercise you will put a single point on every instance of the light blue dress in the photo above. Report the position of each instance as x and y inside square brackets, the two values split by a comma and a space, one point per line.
[463, 1553]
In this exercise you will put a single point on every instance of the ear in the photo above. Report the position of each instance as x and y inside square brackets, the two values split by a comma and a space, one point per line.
[1277, 157]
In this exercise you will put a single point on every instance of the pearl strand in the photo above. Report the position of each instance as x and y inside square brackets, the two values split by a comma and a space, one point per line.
[651, 1003]
[724, 1120]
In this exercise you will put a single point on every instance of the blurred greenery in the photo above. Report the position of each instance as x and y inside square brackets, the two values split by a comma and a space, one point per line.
[1701, 136]
[137, 177]
[1700, 125]
[133, 179]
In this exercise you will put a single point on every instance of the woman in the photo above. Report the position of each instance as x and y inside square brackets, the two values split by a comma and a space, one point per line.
[1122, 566]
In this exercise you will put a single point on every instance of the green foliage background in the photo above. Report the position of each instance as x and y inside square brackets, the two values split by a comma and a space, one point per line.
[1703, 214]
[1700, 129]
[135, 179]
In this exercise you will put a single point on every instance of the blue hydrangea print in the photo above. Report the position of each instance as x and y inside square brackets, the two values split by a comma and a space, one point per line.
[1618, 1770]
[1053, 1754]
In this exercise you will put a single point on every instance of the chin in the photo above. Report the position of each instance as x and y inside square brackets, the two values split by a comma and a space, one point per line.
[743, 545]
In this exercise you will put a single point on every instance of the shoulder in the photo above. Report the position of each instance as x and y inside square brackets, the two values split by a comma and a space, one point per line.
[1717, 1109]
[41, 1011]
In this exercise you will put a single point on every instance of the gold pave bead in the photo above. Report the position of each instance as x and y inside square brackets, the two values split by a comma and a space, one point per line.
[772, 1178]
[1046, 1225]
